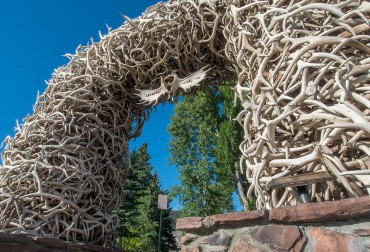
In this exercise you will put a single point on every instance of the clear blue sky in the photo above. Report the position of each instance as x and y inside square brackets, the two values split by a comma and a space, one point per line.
[34, 36]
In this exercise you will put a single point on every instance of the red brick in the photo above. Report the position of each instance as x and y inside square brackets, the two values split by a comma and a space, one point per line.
[321, 212]
[239, 218]
[330, 241]
[277, 236]
[189, 223]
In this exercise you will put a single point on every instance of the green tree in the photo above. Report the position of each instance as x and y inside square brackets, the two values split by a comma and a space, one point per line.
[139, 216]
[149, 218]
[204, 146]
[227, 152]
[204, 189]
[135, 187]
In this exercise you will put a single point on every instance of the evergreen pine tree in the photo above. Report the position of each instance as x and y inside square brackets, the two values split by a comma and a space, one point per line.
[134, 189]
[150, 218]
[168, 238]
[139, 216]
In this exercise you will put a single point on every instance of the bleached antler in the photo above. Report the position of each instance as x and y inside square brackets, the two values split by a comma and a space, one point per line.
[303, 66]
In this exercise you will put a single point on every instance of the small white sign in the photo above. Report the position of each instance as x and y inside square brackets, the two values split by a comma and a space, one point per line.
[194, 79]
[186, 84]
[162, 201]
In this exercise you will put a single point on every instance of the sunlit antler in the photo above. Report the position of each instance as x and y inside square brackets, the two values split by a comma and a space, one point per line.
[303, 80]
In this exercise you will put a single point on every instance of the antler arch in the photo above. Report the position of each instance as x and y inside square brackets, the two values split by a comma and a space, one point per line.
[304, 66]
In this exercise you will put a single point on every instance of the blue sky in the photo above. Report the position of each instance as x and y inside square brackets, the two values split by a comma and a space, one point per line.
[34, 36]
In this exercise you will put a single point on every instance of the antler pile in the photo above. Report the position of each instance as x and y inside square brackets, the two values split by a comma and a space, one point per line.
[63, 171]
[304, 64]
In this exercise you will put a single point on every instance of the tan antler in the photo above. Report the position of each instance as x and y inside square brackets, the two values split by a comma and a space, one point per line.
[302, 71]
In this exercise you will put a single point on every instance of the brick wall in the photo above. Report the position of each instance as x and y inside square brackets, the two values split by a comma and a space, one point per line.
[330, 226]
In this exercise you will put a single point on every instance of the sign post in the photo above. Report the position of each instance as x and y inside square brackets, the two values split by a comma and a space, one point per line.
[162, 205]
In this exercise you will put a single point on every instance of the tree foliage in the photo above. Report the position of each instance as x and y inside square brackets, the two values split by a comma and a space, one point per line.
[139, 216]
[193, 137]
[230, 135]
[204, 146]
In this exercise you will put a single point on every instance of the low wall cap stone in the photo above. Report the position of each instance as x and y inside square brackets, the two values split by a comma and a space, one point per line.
[189, 223]
[51, 242]
[321, 212]
[239, 217]
[12, 238]
[305, 213]
[23, 242]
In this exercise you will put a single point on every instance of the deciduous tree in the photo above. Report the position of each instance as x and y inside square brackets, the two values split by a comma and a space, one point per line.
[193, 136]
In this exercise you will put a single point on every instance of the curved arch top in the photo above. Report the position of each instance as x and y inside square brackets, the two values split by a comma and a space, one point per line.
[302, 71]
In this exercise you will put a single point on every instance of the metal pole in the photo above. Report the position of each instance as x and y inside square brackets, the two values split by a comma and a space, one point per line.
[160, 232]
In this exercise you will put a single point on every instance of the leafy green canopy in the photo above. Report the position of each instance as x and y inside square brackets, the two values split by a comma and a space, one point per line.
[204, 147]
[229, 137]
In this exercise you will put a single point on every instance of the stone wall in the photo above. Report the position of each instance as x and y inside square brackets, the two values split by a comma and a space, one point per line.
[330, 226]
[25, 243]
